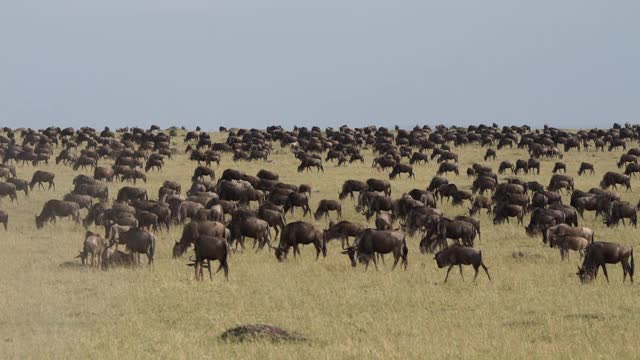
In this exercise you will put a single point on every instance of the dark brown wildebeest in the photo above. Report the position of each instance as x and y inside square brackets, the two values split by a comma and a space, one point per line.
[188, 210]
[103, 173]
[378, 203]
[461, 255]
[173, 185]
[8, 189]
[134, 175]
[308, 162]
[480, 202]
[619, 211]
[147, 220]
[446, 167]
[274, 218]
[490, 154]
[92, 247]
[504, 166]
[417, 157]
[459, 197]
[613, 179]
[4, 218]
[585, 166]
[297, 200]
[473, 221]
[521, 165]
[201, 171]
[300, 233]
[40, 177]
[401, 168]
[436, 182]
[372, 242]
[598, 254]
[84, 161]
[351, 186]
[83, 201]
[96, 191]
[129, 193]
[249, 226]
[153, 164]
[57, 208]
[193, 230]
[632, 169]
[446, 191]
[505, 211]
[379, 185]
[137, 240]
[534, 164]
[267, 175]
[565, 230]
[343, 230]
[482, 184]
[324, 206]
[559, 166]
[627, 158]
[458, 230]
[209, 248]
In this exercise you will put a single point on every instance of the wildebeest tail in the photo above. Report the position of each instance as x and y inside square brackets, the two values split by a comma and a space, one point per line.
[632, 266]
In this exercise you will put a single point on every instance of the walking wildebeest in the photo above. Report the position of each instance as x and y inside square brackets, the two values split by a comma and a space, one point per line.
[324, 206]
[137, 240]
[371, 242]
[343, 230]
[40, 177]
[461, 255]
[297, 233]
[209, 248]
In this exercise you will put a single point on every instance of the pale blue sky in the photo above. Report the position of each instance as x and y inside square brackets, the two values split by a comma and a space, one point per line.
[256, 63]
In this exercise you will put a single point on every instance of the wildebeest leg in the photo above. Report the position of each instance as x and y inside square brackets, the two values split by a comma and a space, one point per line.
[375, 262]
[448, 270]
[396, 257]
[209, 268]
[196, 269]
[604, 270]
[462, 276]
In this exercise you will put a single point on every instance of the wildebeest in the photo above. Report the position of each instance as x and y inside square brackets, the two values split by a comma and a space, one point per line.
[505, 211]
[114, 258]
[559, 166]
[446, 167]
[209, 248]
[249, 226]
[402, 168]
[201, 171]
[568, 242]
[193, 230]
[371, 242]
[92, 247]
[84, 201]
[379, 185]
[8, 189]
[40, 177]
[57, 208]
[619, 211]
[343, 230]
[598, 254]
[351, 186]
[461, 255]
[300, 233]
[297, 200]
[324, 206]
[584, 167]
[129, 193]
[613, 179]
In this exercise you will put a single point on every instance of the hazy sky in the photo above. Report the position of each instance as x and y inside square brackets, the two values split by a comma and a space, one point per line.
[256, 63]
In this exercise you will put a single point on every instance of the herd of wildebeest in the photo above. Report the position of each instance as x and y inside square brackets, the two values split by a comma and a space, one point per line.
[218, 213]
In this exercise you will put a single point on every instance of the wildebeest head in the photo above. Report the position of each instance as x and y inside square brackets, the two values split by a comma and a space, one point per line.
[39, 222]
[178, 249]
[441, 259]
[281, 254]
[351, 252]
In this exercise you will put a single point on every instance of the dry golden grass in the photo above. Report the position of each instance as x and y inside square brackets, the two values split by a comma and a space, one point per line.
[534, 308]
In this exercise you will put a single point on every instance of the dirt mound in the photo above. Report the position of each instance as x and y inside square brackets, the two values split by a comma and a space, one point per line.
[259, 332]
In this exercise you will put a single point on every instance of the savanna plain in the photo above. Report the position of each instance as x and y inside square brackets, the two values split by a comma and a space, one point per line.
[534, 307]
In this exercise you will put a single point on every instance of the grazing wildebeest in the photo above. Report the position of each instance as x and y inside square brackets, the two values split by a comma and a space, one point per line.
[598, 254]
[297, 233]
[129, 193]
[613, 179]
[584, 167]
[379, 185]
[21, 185]
[632, 169]
[505, 211]
[309, 162]
[8, 189]
[137, 240]
[57, 208]
[504, 166]
[482, 184]
[103, 173]
[249, 226]
[201, 171]
[371, 242]
[384, 221]
[93, 246]
[559, 166]
[461, 255]
[480, 202]
[417, 157]
[193, 230]
[4, 218]
[209, 248]
[40, 177]
[446, 167]
[566, 230]
[490, 154]
[343, 230]
[619, 211]
[84, 201]
[324, 206]
[402, 168]
[351, 186]
[274, 218]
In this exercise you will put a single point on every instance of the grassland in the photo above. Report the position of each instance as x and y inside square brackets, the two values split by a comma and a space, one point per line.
[51, 307]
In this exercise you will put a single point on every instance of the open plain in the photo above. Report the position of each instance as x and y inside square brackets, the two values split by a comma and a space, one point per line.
[535, 306]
